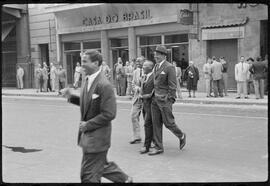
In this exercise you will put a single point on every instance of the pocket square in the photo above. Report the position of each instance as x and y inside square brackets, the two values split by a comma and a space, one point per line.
[162, 72]
[94, 96]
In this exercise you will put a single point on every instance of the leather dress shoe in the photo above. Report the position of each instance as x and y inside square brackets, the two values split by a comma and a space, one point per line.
[155, 152]
[144, 150]
[129, 180]
[135, 141]
[182, 141]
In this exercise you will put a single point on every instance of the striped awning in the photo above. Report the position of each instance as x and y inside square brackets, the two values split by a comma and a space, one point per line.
[226, 23]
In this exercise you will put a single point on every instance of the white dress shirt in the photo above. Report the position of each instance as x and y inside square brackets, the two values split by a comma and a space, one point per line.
[91, 78]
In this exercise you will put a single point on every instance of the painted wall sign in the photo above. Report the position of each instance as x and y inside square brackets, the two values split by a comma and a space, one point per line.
[185, 17]
[115, 18]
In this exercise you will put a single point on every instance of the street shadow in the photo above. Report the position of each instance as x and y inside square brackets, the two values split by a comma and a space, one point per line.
[22, 149]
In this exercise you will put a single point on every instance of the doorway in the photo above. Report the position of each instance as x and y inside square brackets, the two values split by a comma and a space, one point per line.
[44, 54]
[228, 49]
[179, 54]
[72, 59]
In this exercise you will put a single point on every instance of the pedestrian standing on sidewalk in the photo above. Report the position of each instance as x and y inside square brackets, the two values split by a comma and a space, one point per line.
[164, 95]
[137, 104]
[250, 85]
[241, 75]
[120, 78]
[129, 74]
[62, 78]
[216, 72]
[224, 75]
[53, 77]
[39, 78]
[258, 70]
[77, 75]
[207, 76]
[266, 75]
[45, 77]
[146, 96]
[98, 108]
[178, 72]
[106, 69]
[191, 75]
[19, 76]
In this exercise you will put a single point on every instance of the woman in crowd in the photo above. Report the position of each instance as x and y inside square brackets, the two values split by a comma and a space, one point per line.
[191, 75]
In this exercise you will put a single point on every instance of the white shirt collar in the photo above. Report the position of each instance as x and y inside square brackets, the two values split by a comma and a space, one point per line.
[91, 78]
[161, 63]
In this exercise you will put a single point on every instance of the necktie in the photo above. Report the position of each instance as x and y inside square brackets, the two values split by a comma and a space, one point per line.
[242, 67]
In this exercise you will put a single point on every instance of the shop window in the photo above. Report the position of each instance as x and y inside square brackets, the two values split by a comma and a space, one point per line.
[181, 38]
[72, 46]
[119, 42]
[92, 45]
[150, 40]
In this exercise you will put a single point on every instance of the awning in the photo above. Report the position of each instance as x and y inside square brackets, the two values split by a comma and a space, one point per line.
[226, 23]
[6, 30]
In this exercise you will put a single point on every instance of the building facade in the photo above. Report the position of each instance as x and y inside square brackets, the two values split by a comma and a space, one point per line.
[59, 33]
[231, 31]
[15, 44]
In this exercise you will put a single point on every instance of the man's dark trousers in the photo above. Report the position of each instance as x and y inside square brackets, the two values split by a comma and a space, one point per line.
[148, 125]
[162, 113]
[218, 87]
[95, 165]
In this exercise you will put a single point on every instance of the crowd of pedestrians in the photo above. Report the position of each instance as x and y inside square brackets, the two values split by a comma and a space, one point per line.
[250, 76]
[50, 79]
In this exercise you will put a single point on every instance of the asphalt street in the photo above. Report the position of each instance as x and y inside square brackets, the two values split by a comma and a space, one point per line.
[225, 143]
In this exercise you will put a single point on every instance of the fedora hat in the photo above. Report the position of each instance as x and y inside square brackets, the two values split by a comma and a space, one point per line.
[161, 49]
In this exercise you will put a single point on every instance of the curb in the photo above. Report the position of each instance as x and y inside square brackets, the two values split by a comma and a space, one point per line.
[177, 101]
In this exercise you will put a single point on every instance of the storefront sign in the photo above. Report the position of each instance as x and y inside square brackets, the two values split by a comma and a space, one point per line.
[185, 17]
[223, 33]
[244, 5]
[115, 18]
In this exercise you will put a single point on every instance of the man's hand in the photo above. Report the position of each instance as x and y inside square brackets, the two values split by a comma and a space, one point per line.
[83, 126]
[66, 92]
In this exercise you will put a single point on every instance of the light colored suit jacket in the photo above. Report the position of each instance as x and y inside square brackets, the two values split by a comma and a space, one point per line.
[136, 84]
[207, 70]
[98, 109]
[241, 71]
[216, 70]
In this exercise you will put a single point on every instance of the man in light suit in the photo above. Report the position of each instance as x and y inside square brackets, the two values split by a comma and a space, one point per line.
[98, 108]
[137, 104]
[216, 71]
[19, 76]
[241, 76]
[164, 95]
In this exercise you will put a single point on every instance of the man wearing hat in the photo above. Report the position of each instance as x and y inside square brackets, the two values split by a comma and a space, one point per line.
[164, 95]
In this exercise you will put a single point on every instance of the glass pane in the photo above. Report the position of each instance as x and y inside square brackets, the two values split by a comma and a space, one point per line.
[176, 38]
[150, 40]
[91, 45]
[119, 42]
[72, 46]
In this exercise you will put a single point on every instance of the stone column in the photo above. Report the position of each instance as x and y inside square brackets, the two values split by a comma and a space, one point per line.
[132, 43]
[105, 48]
[23, 50]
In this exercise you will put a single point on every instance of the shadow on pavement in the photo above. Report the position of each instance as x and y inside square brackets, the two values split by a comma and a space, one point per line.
[22, 149]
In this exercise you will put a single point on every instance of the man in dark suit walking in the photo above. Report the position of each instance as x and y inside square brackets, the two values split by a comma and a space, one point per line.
[98, 108]
[164, 95]
[146, 94]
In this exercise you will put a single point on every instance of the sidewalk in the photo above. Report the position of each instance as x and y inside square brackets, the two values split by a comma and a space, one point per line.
[200, 97]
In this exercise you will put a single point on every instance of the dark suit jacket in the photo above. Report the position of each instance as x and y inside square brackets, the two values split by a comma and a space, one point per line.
[147, 89]
[258, 70]
[98, 113]
[165, 82]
